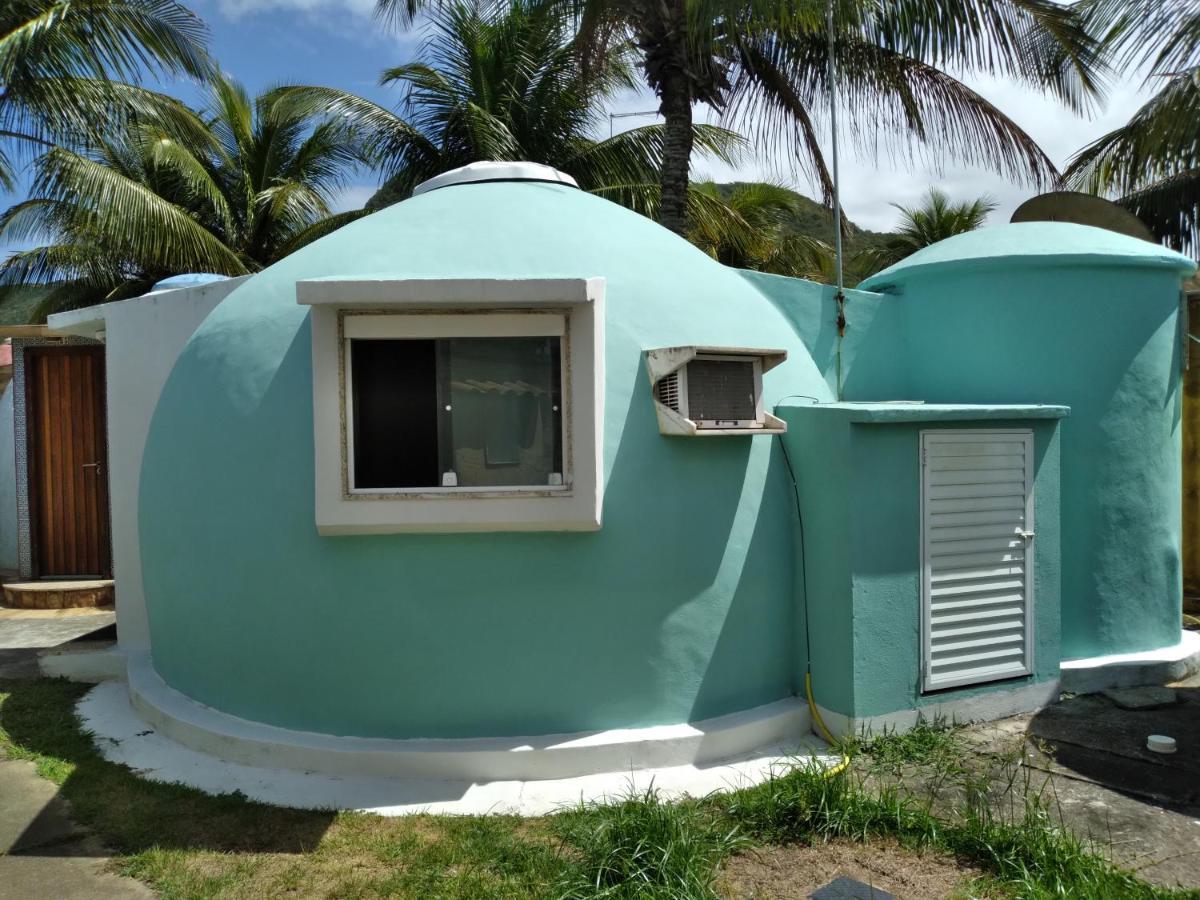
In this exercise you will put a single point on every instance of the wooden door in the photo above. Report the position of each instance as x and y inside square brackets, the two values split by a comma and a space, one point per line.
[68, 462]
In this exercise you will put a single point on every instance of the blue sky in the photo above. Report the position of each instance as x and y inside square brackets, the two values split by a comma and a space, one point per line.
[336, 42]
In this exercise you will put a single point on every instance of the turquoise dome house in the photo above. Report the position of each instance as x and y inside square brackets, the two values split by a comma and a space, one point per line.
[508, 483]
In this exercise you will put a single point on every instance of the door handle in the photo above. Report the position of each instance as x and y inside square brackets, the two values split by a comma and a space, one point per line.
[94, 465]
[1028, 535]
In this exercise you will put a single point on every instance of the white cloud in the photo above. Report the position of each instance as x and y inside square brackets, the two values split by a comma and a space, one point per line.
[870, 184]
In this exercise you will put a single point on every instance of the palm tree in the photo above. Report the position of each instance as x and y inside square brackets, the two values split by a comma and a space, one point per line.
[504, 82]
[1152, 163]
[247, 183]
[64, 64]
[749, 227]
[763, 65]
[935, 220]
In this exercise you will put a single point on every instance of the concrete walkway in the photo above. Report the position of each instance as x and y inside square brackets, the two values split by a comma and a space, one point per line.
[44, 855]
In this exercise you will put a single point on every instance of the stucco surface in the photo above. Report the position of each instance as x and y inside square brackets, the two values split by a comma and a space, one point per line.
[1106, 343]
[859, 487]
[1037, 243]
[680, 608]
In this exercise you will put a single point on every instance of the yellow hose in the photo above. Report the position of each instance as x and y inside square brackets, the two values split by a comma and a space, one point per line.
[825, 732]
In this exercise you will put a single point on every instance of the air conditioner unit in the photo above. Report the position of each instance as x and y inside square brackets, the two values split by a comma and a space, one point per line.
[708, 391]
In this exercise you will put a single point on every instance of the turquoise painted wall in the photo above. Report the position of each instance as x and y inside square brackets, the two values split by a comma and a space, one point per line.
[872, 354]
[860, 493]
[1103, 339]
[680, 608]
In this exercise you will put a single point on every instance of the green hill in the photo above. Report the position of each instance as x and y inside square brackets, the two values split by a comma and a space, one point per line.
[814, 220]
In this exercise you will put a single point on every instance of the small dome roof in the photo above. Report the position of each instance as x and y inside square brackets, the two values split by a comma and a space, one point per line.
[495, 171]
[187, 279]
[1051, 243]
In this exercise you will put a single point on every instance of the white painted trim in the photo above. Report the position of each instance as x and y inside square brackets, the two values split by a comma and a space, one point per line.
[449, 293]
[1162, 666]
[575, 506]
[431, 325]
[977, 708]
[534, 758]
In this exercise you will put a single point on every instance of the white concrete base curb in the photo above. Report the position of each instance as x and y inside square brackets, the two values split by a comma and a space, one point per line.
[977, 708]
[90, 666]
[1162, 666]
[123, 737]
[483, 759]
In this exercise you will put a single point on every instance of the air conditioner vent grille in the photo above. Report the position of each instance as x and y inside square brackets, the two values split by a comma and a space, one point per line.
[721, 390]
[668, 391]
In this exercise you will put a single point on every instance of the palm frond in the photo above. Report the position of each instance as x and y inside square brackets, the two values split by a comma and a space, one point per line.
[1170, 207]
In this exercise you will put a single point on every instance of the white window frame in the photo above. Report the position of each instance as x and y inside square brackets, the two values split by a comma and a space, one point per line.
[350, 309]
[357, 325]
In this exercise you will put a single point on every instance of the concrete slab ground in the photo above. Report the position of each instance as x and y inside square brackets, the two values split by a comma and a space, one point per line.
[1088, 756]
[43, 854]
[31, 629]
[25, 632]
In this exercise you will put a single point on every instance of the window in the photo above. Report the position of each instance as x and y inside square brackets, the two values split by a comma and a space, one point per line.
[456, 413]
[448, 405]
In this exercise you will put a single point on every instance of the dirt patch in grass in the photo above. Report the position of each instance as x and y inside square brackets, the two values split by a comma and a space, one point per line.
[784, 873]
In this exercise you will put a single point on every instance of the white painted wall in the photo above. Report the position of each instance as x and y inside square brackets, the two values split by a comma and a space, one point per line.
[143, 337]
[8, 483]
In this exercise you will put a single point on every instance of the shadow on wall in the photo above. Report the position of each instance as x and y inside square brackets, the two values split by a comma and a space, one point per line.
[874, 348]
[755, 618]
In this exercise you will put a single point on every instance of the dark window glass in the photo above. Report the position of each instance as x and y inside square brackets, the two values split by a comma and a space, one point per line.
[395, 414]
[490, 412]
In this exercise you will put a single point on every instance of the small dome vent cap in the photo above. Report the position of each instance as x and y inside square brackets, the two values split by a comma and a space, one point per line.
[476, 172]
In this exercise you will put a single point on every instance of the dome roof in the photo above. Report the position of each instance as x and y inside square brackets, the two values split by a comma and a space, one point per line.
[495, 171]
[1051, 243]
[526, 625]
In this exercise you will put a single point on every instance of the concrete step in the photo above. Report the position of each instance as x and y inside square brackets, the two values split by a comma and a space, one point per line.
[58, 594]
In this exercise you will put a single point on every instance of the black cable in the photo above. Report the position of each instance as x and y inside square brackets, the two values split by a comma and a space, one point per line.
[803, 557]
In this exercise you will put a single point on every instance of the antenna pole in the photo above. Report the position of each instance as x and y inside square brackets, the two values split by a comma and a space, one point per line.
[840, 296]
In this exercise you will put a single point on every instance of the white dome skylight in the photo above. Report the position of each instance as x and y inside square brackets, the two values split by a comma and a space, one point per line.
[495, 171]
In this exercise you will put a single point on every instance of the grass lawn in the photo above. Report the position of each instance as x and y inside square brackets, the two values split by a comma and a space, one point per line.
[187, 844]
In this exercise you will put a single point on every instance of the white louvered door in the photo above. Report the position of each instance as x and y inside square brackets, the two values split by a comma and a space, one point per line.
[977, 534]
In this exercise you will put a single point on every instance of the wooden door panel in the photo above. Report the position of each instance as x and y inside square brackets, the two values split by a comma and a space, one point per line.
[68, 469]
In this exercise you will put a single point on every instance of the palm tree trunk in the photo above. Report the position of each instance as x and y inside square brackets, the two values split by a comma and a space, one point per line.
[676, 109]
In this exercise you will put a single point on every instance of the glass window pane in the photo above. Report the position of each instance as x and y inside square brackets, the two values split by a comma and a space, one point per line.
[395, 414]
[504, 419]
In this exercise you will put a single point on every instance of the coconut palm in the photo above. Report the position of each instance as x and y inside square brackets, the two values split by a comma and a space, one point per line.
[1152, 163]
[249, 181]
[64, 67]
[502, 81]
[749, 227]
[763, 65]
[934, 220]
